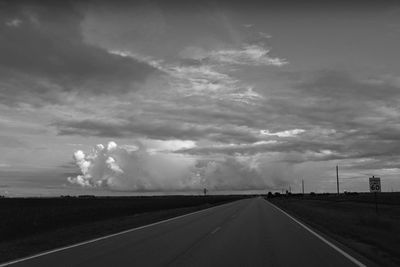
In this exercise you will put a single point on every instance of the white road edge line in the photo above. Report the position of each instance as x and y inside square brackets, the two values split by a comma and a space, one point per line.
[348, 256]
[108, 236]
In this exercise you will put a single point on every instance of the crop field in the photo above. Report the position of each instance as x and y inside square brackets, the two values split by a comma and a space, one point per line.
[352, 219]
[31, 225]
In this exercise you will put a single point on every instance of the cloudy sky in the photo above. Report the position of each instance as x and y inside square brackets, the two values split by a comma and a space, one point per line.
[145, 96]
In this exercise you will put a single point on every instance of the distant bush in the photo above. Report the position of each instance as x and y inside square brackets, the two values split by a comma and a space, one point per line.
[350, 193]
[86, 196]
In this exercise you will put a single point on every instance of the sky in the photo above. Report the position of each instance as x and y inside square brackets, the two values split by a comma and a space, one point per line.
[159, 97]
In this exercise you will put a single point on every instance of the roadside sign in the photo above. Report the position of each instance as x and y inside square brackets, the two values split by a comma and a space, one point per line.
[374, 184]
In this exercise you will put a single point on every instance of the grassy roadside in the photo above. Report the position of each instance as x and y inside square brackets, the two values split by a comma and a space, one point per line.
[18, 246]
[353, 222]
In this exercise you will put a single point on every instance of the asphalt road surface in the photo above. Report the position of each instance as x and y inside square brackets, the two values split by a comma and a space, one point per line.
[248, 232]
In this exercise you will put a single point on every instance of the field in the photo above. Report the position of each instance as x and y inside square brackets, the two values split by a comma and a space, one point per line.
[31, 225]
[353, 220]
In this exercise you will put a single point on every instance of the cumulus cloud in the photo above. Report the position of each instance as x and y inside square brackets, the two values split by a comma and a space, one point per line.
[118, 168]
[131, 169]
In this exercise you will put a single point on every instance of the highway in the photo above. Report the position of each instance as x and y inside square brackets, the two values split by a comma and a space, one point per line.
[249, 232]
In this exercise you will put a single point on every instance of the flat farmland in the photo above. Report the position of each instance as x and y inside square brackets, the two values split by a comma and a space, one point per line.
[32, 225]
[353, 220]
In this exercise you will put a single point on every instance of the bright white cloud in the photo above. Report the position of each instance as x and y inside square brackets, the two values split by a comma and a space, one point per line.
[168, 145]
[248, 55]
[111, 146]
[142, 58]
[287, 133]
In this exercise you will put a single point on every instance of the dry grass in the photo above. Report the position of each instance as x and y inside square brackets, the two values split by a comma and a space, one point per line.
[353, 221]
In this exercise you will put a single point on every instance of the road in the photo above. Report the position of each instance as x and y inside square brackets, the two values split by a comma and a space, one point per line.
[248, 232]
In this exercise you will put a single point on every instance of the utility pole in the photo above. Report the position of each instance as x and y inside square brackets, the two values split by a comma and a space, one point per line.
[337, 178]
[302, 186]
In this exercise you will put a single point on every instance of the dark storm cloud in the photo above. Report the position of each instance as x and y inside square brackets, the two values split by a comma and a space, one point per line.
[341, 85]
[373, 164]
[256, 4]
[284, 146]
[354, 117]
[42, 51]
[157, 129]
[336, 100]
